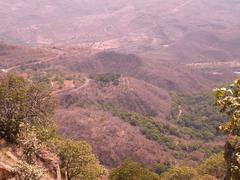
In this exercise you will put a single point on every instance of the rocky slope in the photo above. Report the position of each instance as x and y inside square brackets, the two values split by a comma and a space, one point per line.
[10, 156]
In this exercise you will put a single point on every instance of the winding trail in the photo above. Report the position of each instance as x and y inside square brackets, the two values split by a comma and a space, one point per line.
[59, 54]
[75, 89]
[87, 81]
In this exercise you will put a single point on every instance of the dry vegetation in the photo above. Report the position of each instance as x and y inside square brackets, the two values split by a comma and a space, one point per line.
[134, 63]
[84, 80]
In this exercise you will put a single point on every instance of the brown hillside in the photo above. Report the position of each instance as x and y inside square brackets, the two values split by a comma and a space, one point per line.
[111, 138]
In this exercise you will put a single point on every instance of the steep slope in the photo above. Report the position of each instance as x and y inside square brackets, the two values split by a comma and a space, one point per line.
[172, 76]
[16, 57]
[112, 139]
[118, 102]
[131, 94]
[10, 156]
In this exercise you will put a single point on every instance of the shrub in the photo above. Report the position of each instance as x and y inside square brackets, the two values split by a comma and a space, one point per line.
[21, 103]
[161, 168]
[227, 99]
[77, 160]
[106, 79]
[26, 171]
[214, 166]
[180, 173]
[28, 141]
[132, 171]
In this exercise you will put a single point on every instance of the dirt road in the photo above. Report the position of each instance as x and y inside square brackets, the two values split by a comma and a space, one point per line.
[75, 89]
[59, 54]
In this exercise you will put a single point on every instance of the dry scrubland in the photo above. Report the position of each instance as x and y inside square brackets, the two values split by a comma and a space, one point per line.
[133, 78]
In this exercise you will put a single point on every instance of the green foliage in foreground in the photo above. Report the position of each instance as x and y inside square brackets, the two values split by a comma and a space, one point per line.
[22, 102]
[214, 166]
[228, 101]
[77, 160]
[132, 171]
[26, 171]
[180, 173]
[25, 119]
[161, 168]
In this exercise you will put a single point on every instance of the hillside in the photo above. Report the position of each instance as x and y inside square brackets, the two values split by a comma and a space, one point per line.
[123, 81]
[120, 103]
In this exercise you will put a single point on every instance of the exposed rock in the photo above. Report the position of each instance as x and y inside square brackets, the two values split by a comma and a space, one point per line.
[9, 159]
[6, 172]
[50, 162]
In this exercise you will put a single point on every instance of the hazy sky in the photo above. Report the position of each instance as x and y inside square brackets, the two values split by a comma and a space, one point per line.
[78, 21]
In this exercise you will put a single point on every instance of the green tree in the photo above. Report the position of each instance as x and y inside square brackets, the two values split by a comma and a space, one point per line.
[214, 166]
[22, 102]
[132, 171]
[160, 168]
[228, 100]
[29, 143]
[25, 171]
[77, 160]
[46, 133]
[180, 173]
[205, 177]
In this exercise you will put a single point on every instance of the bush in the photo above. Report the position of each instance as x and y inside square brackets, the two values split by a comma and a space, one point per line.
[29, 143]
[214, 166]
[227, 99]
[46, 133]
[21, 103]
[77, 160]
[205, 177]
[161, 168]
[106, 79]
[132, 171]
[26, 171]
[180, 173]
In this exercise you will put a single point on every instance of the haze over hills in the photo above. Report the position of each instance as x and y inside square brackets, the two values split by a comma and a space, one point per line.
[119, 70]
[184, 31]
[142, 26]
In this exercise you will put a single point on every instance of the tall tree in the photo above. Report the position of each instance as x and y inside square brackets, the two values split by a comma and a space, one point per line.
[228, 100]
[77, 160]
[214, 166]
[132, 171]
[180, 173]
[22, 102]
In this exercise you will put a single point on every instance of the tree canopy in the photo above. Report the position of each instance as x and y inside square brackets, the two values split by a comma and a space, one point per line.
[228, 100]
[22, 102]
[78, 161]
[180, 173]
[132, 171]
[214, 166]
[25, 119]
